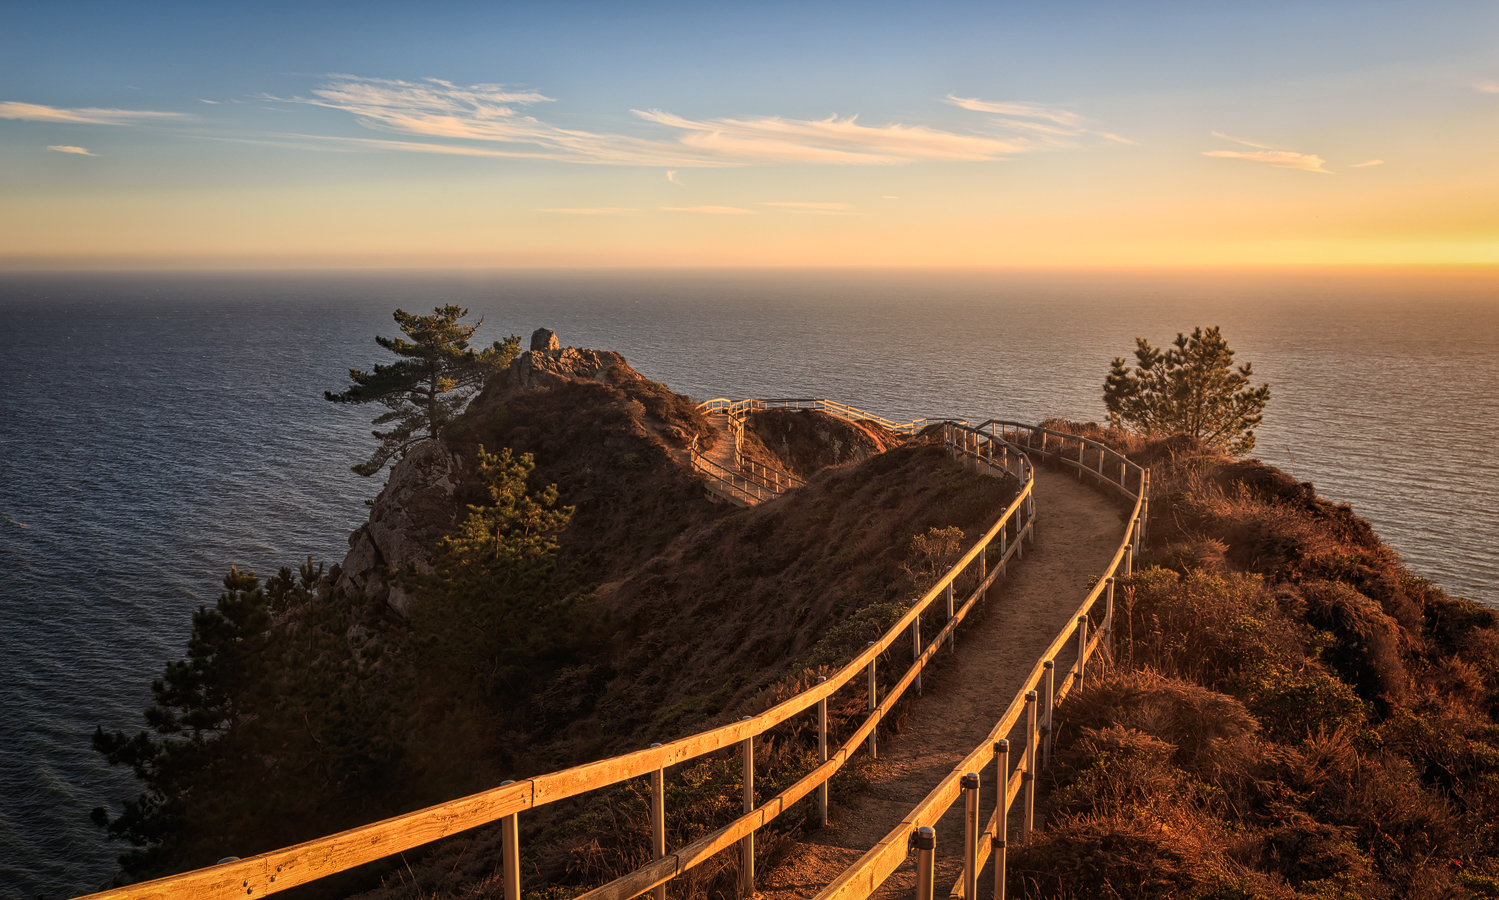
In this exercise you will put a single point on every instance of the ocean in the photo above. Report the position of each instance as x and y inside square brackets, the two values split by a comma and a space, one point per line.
[155, 429]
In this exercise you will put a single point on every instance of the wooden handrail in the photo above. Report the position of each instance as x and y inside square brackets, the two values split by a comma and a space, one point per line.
[866, 875]
[282, 869]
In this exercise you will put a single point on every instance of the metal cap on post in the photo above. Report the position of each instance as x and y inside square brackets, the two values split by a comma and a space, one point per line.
[924, 842]
[971, 830]
[510, 852]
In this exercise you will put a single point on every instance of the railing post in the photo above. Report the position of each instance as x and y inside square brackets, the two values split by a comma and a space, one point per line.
[984, 573]
[873, 702]
[916, 648]
[822, 752]
[1048, 701]
[948, 594]
[658, 820]
[925, 842]
[1028, 777]
[1001, 814]
[1145, 505]
[1004, 540]
[1082, 649]
[1108, 618]
[747, 843]
[970, 835]
[510, 852]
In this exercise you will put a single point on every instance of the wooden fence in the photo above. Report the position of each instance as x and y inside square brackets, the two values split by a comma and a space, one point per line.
[1033, 704]
[992, 451]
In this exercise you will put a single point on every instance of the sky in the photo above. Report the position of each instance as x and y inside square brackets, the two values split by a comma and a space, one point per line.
[559, 134]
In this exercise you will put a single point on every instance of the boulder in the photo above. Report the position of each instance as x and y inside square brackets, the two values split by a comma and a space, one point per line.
[414, 510]
[544, 339]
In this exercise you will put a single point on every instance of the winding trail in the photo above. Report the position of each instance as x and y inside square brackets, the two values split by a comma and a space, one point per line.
[1076, 535]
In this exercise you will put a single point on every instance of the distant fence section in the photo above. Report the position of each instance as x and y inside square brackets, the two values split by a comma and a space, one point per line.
[998, 448]
[747, 482]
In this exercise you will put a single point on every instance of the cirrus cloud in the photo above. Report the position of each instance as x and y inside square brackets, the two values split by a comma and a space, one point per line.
[68, 148]
[1285, 159]
[439, 116]
[711, 210]
[35, 112]
[1269, 155]
[591, 210]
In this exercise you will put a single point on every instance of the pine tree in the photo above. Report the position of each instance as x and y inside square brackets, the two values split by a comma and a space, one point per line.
[1192, 388]
[272, 730]
[429, 386]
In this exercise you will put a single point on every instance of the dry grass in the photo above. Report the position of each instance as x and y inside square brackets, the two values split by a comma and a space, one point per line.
[1294, 713]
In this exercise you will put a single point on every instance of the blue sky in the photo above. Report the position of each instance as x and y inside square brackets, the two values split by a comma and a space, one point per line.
[789, 134]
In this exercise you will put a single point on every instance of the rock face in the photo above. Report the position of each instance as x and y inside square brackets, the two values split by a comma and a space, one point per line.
[414, 510]
[544, 339]
[537, 368]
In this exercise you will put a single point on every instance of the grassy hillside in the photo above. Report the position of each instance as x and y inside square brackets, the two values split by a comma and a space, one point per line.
[1293, 713]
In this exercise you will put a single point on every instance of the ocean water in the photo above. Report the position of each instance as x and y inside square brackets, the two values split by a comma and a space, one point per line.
[155, 429]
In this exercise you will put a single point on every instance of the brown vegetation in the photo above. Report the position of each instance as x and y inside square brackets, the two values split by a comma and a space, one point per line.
[1293, 714]
[712, 612]
[803, 442]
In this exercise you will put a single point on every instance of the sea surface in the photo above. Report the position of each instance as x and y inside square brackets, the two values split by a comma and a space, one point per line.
[155, 429]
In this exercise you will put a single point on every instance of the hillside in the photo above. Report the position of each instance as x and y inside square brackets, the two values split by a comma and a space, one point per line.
[416, 671]
[1294, 714]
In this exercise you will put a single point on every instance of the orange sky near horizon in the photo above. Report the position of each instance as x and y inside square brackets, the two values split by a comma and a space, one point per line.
[1155, 139]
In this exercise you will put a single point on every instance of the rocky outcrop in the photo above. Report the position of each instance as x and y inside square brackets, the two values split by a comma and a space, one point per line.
[538, 368]
[414, 510]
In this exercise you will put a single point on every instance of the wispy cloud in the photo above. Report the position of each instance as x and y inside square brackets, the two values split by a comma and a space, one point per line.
[816, 209]
[1227, 137]
[67, 148]
[490, 113]
[1372, 162]
[1285, 159]
[592, 210]
[440, 114]
[711, 210]
[1268, 155]
[831, 140]
[1049, 127]
[34, 112]
[1017, 110]
[1488, 87]
[671, 175]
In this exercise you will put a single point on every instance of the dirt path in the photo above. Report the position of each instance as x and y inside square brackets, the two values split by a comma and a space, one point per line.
[1077, 532]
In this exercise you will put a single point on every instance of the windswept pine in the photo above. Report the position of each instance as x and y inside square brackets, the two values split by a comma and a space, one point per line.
[430, 385]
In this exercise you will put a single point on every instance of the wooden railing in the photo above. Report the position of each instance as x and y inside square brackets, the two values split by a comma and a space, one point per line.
[1035, 701]
[754, 482]
[282, 869]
